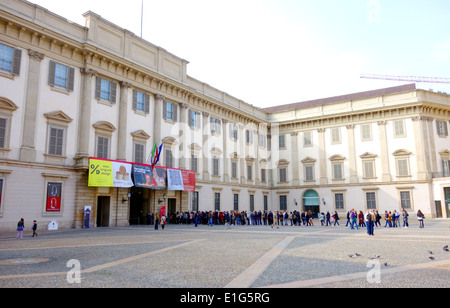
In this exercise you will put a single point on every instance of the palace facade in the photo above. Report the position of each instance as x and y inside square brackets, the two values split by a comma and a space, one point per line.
[69, 93]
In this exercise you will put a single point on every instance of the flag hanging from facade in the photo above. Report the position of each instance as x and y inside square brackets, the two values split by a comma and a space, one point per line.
[156, 154]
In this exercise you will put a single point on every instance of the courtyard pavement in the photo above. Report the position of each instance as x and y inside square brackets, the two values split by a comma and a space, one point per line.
[183, 256]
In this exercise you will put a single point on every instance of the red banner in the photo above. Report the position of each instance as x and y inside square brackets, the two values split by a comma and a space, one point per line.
[53, 197]
[188, 180]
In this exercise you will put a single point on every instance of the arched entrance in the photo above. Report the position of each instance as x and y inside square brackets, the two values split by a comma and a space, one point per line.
[311, 202]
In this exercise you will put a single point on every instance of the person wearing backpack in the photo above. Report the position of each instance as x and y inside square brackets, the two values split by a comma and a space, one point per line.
[369, 218]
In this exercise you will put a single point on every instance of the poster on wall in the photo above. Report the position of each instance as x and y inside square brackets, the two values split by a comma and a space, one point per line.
[87, 217]
[108, 173]
[144, 177]
[53, 197]
[174, 180]
[188, 180]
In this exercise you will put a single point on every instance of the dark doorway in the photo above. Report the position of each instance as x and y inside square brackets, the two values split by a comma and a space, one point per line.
[103, 209]
[137, 216]
[171, 208]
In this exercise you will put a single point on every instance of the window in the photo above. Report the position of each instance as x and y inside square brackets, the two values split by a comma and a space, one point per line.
[249, 172]
[194, 163]
[442, 128]
[307, 139]
[194, 119]
[105, 90]
[399, 129]
[446, 167]
[216, 125]
[283, 203]
[168, 158]
[61, 76]
[309, 173]
[252, 203]
[234, 170]
[369, 170]
[236, 202]
[1, 194]
[10, 59]
[402, 167]
[195, 201]
[170, 111]
[339, 201]
[371, 201]
[282, 142]
[405, 199]
[262, 140]
[249, 136]
[366, 132]
[266, 203]
[335, 135]
[337, 171]
[283, 175]
[141, 101]
[102, 147]
[234, 132]
[2, 133]
[139, 153]
[215, 166]
[217, 201]
[263, 175]
[56, 141]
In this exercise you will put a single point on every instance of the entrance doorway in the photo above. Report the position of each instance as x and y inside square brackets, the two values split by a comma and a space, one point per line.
[171, 208]
[137, 215]
[103, 211]
[311, 202]
[447, 200]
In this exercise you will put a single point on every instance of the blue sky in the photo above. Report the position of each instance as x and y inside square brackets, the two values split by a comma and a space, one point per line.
[274, 52]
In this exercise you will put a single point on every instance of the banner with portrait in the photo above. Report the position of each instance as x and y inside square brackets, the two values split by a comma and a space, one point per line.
[174, 179]
[144, 177]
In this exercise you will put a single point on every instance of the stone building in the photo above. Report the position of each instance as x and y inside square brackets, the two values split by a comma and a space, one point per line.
[69, 93]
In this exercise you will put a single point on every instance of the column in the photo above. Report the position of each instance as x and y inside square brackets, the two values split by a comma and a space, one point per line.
[242, 154]
[385, 172]
[226, 158]
[206, 149]
[27, 149]
[352, 153]
[123, 121]
[183, 148]
[159, 101]
[84, 118]
[323, 158]
[295, 162]
[421, 155]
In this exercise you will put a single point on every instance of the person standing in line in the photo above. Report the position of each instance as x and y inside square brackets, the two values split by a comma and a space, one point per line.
[420, 218]
[156, 221]
[275, 221]
[34, 228]
[328, 216]
[322, 219]
[348, 219]
[163, 222]
[405, 218]
[369, 219]
[353, 217]
[20, 228]
[377, 219]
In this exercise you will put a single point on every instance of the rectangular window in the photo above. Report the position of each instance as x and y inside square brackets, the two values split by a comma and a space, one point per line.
[399, 129]
[56, 142]
[371, 201]
[234, 132]
[102, 147]
[366, 132]
[234, 170]
[337, 172]
[1, 194]
[405, 198]
[10, 59]
[266, 203]
[170, 111]
[262, 140]
[252, 203]
[216, 125]
[61, 76]
[2, 133]
[215, 166]
[194, 119]
[442, 128]
[217, 201]
[402, 167]
[307, 139]
[335, 135]
[168, 159]
[369, 170]
[283, 203]
[195, 201]
[236, 202]
[141, 101]
[105, 90]
[139, 153]
[194, 163]
[249, 173]
[54, 197]
[249, 137]
[263, 175]
[309, 173]
[283, 175]
[339, 201]
[282, 142]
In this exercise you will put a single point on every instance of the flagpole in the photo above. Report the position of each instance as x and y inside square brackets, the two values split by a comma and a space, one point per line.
[142, 15]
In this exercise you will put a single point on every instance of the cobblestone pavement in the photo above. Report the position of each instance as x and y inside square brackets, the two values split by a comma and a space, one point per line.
[183, 256]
